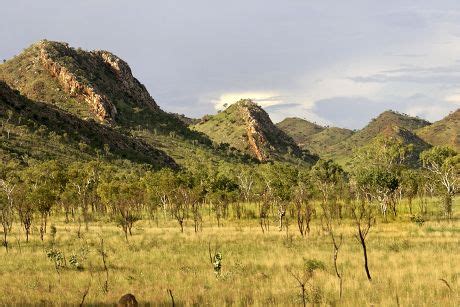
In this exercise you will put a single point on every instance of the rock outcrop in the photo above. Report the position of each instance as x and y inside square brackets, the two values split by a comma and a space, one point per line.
[99, 78]
[104, 109]
[130, 85]
[256, 140]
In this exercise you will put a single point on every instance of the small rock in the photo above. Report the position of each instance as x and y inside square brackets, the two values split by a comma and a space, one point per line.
[127, 300]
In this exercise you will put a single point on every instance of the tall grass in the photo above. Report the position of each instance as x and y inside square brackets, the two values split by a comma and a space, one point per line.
[411, 265]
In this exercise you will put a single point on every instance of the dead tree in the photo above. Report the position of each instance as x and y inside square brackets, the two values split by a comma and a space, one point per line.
[329, 227]
[363, 214]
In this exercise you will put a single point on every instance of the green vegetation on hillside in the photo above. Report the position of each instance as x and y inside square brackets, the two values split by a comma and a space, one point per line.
[445, 132]
[299, 129]
[34, 130]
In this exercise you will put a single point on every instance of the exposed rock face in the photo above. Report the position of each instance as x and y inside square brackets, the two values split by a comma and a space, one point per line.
[256, 139]
[99, 78]
[104, 109]
[130, 84]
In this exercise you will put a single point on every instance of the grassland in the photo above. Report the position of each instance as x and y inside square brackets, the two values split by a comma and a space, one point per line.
[411, 265]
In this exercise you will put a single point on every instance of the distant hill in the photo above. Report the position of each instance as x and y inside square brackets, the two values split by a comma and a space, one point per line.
[324, 141]
[247, 127]
[60, 101]
[313, 137]
[443, 132]
[386, 121]
[340, 143]
[188, 121]
[299, 129]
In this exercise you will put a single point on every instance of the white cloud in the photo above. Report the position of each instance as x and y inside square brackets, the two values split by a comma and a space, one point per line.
[263, 99]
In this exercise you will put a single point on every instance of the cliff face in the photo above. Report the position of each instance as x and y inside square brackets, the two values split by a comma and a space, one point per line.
[256, 140]
[103, 108]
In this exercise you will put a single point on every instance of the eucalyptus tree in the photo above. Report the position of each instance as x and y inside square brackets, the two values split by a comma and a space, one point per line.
[160, 187]
[303, 202]
[44, 182]
[329, 177]
[280, 180]
[444, 164]
[380, 185]
[330, 180]
[83, 178]
[123, 193]
[223, 190]
[410, 185]
[379, 166]
[6, 208]
[8, 182]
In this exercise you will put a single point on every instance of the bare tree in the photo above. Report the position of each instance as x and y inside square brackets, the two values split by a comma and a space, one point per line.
[337, 240]
[364, 217]
[304, 209]
[6, 210]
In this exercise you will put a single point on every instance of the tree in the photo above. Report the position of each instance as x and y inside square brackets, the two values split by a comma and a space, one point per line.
[43, 182]
[444, 164]
[280, 180]
[409, 185]
[84, 179]
[380, 185]
[124, 193]
[222, 191]
[180, 206]
[328, 177]
[363, 214]
[302, 202]
[6, 209]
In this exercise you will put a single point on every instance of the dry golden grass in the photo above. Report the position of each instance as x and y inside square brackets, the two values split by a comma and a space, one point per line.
[407, 263]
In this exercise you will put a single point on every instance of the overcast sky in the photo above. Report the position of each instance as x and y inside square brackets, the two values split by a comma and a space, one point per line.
[334, 62]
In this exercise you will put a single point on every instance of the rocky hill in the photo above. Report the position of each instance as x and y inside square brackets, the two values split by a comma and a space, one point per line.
[97, 86]
[443, 132]
[247, 127]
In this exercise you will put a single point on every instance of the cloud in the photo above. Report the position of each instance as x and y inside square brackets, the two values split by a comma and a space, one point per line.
[263, 99]
[301, 59]
[444, 75]
[356, 112]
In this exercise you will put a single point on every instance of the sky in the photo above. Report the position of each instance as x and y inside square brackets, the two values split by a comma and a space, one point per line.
[332, 62]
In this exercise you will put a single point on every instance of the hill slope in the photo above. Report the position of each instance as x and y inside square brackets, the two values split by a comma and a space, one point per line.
[385, 121]
[299, 129]
[443, 132]
[248, 128]
[40, 131]
[313, 137]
